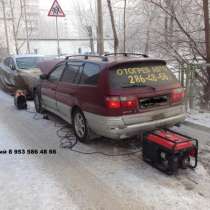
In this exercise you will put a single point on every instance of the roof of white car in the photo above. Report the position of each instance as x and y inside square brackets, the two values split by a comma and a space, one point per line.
[27, 55]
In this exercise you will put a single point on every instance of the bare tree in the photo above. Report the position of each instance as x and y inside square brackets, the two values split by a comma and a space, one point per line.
[124, 26]
[169, 20]
[17, 19]
[116, 41]
[150, 14]
[87, 21]
[185, 38]
[15, 26]
[5, 26]
[26, 26]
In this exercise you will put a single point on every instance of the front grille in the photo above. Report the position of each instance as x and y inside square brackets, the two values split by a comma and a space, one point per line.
[156, 101]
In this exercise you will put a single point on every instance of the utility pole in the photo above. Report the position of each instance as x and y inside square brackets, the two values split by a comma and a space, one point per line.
[100, 38]
[207, 42]
[207, 28]
[5, 26]
[26, 26]
[124, 26]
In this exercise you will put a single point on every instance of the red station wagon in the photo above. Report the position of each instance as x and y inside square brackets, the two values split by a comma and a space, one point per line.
[114, 96]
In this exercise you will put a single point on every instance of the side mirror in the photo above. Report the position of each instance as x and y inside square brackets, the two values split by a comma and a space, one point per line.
[43, 76]
[12, 67]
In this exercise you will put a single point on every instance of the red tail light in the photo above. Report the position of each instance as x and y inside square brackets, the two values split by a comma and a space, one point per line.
[113, 102]
[116, 102]
[128, 102]
[177, 95]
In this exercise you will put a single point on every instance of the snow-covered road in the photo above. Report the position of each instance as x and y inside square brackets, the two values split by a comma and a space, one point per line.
[68, 180]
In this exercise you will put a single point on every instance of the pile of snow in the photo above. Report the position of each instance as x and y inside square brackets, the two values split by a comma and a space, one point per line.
[199, 118]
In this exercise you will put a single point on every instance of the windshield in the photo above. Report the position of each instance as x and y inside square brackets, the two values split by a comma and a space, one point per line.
[140, 75]
[28, 62]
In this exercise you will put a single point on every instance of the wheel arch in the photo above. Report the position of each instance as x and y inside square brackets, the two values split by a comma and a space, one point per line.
[74, 108]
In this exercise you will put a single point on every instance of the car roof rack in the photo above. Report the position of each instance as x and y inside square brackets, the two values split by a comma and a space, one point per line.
[126, 54]
[103, 58]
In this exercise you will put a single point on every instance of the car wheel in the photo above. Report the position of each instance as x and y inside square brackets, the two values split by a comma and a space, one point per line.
[80, 127]
[37, 102]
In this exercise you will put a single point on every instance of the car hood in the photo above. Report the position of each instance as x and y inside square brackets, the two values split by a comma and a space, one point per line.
[30, 77]
[35, 72]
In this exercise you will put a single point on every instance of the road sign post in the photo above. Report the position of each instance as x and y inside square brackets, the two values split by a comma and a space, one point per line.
[57, 35]
[56, 11]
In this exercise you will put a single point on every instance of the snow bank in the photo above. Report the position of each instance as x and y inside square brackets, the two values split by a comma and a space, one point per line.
[199, 118]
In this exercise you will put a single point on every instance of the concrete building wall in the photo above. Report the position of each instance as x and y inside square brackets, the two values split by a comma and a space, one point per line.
[49, 47]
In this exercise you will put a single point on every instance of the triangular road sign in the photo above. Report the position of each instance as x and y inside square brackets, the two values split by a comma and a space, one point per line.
[56, 10]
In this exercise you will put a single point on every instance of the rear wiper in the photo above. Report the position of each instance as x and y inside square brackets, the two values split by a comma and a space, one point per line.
[138, 85]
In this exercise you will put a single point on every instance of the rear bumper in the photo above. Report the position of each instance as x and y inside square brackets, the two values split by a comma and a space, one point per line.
[116, 128]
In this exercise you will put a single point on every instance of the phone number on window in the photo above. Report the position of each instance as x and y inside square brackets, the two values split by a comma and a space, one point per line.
[29, 151]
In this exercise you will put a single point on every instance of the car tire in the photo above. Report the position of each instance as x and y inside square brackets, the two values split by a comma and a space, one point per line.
[37, 102]
[80, 126]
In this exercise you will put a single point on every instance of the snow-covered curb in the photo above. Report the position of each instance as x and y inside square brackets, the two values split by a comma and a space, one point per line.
[201, 119]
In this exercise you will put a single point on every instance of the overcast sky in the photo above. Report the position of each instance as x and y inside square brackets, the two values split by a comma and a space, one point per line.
[65, 4]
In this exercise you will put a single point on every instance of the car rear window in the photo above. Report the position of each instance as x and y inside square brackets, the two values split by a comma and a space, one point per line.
[140, 75]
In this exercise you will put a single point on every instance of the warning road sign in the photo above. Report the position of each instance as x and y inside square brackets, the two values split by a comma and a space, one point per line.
[56, 10]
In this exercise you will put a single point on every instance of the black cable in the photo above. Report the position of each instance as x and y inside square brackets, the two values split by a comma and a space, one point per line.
[68, 140]
[105, 154]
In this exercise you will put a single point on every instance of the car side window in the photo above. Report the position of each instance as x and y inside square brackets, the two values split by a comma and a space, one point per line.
[90, 74]
[56, 74]
[77, 77]
[70, 73]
